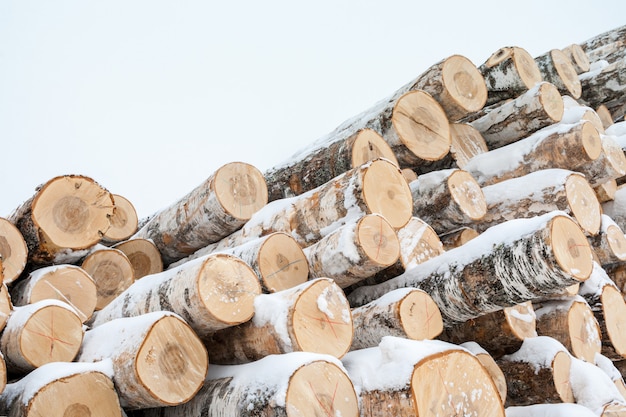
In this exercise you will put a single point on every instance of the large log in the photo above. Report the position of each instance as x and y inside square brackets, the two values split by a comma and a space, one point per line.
[292, 384]
[556, 68]
[541, 192]
[210, 212]
[110, 270]
[535, 109]
[511, 263]
[157, 358]
[143, 255]
[427, 378]
[63, 390]
[13, 251]
[405, 312]
[124, 221]
[40, 333]
[67, 213]
[311, 317]
[210, 293]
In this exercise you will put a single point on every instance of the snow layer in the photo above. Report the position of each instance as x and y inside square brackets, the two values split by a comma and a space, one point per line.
[550, 410]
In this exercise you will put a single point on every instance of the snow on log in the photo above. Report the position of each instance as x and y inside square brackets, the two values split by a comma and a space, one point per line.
[578, 57]
[616, 208]
[68, 283]
[538, 373]
[467, 142]
[594, 389]
[490, 365]
[508, 264]
[39, 333]
[291, 384]
[558, 146]
[556, 68]
[535, 109]
[210, 212]
[609, 368]
[311, 317]
[500, 333]
[550, 410]
[356, 251]
[605, 85]
[157, 358]
[209, 293]
[572, 322]
[457, 237]
[447, 199]
[405, 312]
[402, 377]
[574, 112]
[6, 306]
[315, 166]
[63, 390]
[124, 221]
[541, 192]
[110, 270]
[143, 255]
[609, 245]
[509, 72]
[67, 213]
[13, 251]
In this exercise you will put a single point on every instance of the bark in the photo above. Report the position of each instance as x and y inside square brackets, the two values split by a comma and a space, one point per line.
[512, 263]
[457, 237]
[578, 57]
[13, 251]
[606, 46]
[605, 86]
[616, 209]
[209, 293]
[447, 200]
[535, 109]
[610, 244]
[111, 271]
[157, 358]
[67, 213]
[605, 191]
[610, 165]
[508, 73]
[68, 283]
[356, 251]
[405, 312]
[556, 68]
[210, 212]
[467, 142]
[311, 317]
[124, 221]
[40, 333]
[143, 255]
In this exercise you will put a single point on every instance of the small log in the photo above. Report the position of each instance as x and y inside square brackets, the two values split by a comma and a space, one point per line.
[500, 333]
[67, 213]
[605, 115]
[311, 317]
[6, 306]
[556, 68]
[611, 164]
[355, 251]
[124, 221]
[330, 157]
[605, 191]
[408, 174]
[610, 244]
[143, 255]
[457, 237]
[447, 199]
[110, 270]
[509, 72]
[466, 142]
[404, 377]
[210, 293]
[63, 389]
[405, 312]
[578, 57]
[157, 358]
[68, 283]
[538, 373]
[571, 322]
[604, 85]
[559, 146]
[292, 384]
[511, 263]
[210, 212]
[13, 251]
[535, 109]
[40, 333]
[541, 192]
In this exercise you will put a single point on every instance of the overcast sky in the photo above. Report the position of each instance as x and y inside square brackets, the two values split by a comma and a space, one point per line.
[150, 97]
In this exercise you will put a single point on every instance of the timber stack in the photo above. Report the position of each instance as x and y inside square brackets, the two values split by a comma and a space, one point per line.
[456, 249]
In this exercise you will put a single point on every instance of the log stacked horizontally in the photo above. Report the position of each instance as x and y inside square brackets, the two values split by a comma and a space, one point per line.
[456, 249]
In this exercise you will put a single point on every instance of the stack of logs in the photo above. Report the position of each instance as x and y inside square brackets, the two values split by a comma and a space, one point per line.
[456, 249]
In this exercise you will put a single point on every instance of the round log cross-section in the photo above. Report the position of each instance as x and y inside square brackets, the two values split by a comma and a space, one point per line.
[111, 271]
[143, 255]
[13, 251]
[558, 69]
[124, 221]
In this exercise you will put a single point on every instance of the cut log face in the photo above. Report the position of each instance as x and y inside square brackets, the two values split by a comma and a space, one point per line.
[143, 256]
[68, 283]
[458, 237]
[578, 57]
[605, 115]
[557, 68]
[609, 246]
[281, 263]
[490, 365]
[606, 191]
[6, 306]
[466, 142]
[124, 221]
[13, 251]
[613, 323]
[111, 271]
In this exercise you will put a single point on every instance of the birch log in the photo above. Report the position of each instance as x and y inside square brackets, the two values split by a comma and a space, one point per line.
[466, 142]
[67, 213]
[210, 293]
[490, 365]
[143, 255]
[578, 57]
[605, 115]
[210, 212]
[574, 112]
[13, 251]
[110, 270]
[509, 264]
[405, 312]
[605, 191]
[616, 209]
[606, 46]
[556, 68]
[535, 109]
[611, 164]
[610, 244]
[292, 384]
[311, 317]
[157, 358]
[457, 237]
[605, 85]
[124, 221]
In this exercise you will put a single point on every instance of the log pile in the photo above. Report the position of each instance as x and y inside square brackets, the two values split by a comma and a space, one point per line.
[456, 249]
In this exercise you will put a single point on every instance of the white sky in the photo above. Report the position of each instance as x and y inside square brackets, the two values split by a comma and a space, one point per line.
[149, 98]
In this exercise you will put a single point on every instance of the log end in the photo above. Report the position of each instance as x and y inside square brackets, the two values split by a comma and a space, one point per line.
[143, 256]
[467, 194]
[585, 336]
[591, 140]
[578, 57]
[561, 365]
[605, 116]
[420, 316]
[466, 143]
[527, 68]
[111, 271]
[552, 101]
[571, 248]
[614, 309]
[566, 71]
[495, 372]
[464, 84]
[586, 208]
[369, 145]
[124, 220]
[282, 263]
[521, 320]
[241, 189]
[378, 240]
[617, 241]
[13, 251]
[5, 306]
[387, 193]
